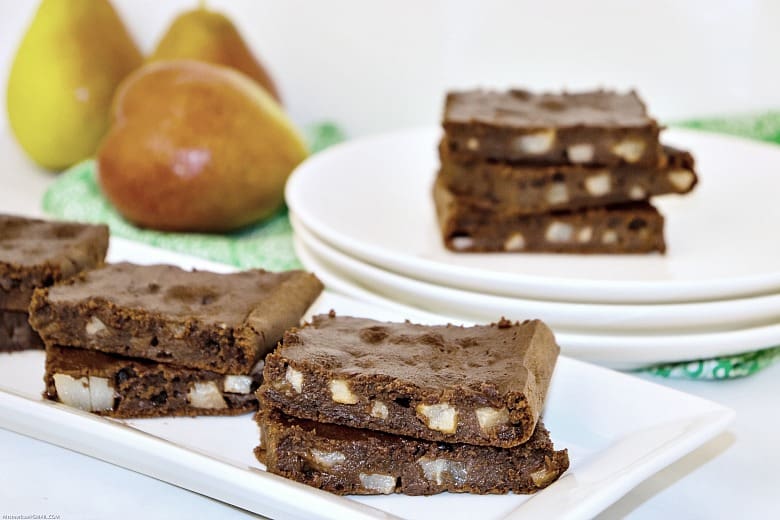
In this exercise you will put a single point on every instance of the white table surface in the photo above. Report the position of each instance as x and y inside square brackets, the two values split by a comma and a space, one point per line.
[730, 477]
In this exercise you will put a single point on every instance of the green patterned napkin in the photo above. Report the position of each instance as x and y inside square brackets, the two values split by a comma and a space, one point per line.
[75, 195]
[726, 367]
[762, 127]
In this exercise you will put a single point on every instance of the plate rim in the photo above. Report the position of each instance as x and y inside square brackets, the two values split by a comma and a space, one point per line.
[371, 275]
[538, 287]
[612, 350]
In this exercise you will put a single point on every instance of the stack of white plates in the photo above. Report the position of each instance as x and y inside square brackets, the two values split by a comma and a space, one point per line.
[365, 223]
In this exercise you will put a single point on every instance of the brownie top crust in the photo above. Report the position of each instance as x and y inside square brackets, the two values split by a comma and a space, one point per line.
[503, 355]
[208, 297]
[28, 242]
[523, 109]
[36, 253]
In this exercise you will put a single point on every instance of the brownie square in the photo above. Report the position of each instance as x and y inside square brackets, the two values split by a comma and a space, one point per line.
[518, 189]
[16, 333]
[480, 385]
[598, 127]
[350, 461]
[635, 227]
[118, 386]
[197, 319]
[37, 253]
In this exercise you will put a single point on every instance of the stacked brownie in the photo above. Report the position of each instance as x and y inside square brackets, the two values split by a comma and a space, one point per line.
[143, 341]
[563, 173]
[35, 253]
[356, 406]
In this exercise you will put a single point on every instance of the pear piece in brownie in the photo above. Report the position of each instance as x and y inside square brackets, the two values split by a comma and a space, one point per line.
[351, 461]
[510, 189]
[628, 228]
[225, 323]
[37, 253]
[482, 385]
[118, 386]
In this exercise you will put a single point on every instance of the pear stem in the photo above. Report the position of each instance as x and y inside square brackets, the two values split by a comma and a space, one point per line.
[202, 5]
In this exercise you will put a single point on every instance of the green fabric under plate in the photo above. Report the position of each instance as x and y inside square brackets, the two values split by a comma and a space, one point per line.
[75, 195]
[726, 367]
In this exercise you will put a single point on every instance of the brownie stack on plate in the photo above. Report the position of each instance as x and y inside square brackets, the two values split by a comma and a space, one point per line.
[357, 406]
[562, 173]
[35, 253]
[128, 340]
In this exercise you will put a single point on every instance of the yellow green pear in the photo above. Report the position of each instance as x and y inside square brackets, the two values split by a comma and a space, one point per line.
[196, 147]
[204, 35]
[63, 78]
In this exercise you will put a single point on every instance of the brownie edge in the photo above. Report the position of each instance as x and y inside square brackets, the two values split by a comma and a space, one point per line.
[38, 253]
[346, 461]
[507, 189]
[16, 333]
[197, 319]
[481, 385]
[121, 387]
[628, 228]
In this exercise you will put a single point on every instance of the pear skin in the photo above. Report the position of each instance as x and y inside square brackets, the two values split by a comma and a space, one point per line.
[63, 78]
[201, 34]
[196, 147]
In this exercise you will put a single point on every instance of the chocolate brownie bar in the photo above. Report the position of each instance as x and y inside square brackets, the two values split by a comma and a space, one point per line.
[515, 189]
[16, 333]
[597, 127]
[117, 386]
[37, 253]
[480, 385]
[350, 461]
[635, 227]
[197, 319]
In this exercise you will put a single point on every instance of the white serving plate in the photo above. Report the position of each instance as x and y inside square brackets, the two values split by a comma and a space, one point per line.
[621, 351]
[618, 429]
[719, 237]
[591, 318]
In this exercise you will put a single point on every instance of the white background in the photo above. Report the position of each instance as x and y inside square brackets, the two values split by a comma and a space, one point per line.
[382, 64]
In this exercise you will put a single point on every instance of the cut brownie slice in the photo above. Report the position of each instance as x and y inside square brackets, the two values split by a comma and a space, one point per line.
[36, 253]
[621, 228]
[117, 386]
[515, 189]
[16, 333]
[481, 385]
[350, 461]
[197, 319]
[598, 127]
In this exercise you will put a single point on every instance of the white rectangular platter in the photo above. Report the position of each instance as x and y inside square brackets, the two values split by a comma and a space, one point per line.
[618, 429]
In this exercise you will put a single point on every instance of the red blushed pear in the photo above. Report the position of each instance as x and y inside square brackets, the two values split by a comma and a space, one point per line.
[196, 147]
